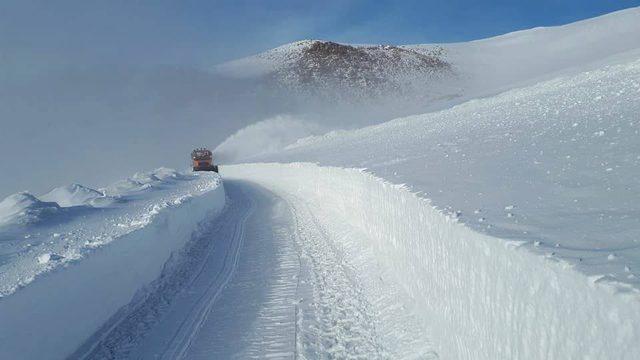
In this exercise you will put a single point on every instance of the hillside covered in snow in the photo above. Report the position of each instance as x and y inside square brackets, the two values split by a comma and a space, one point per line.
[405, 79]
[334, 71]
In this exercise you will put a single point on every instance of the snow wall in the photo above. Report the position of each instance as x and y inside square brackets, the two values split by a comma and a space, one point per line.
[58, 311]
[482, 297]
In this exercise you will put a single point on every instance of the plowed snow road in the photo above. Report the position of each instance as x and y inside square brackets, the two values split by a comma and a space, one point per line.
[264, 280]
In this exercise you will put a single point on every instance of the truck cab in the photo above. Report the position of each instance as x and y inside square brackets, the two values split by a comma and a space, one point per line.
[203, 160]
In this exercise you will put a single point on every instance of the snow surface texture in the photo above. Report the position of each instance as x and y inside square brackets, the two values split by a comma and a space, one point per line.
[78, 271]
[481, 297]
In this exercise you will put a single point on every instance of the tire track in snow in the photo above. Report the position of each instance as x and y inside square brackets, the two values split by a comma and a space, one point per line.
[190, 327]
[122, 335]
[338, 322]
[255, 315]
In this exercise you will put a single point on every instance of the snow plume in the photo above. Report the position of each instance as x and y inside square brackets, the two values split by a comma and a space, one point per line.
[264, 137]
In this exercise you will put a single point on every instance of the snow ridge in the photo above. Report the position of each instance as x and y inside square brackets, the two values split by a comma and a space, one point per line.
[24, 208]
[76, 195]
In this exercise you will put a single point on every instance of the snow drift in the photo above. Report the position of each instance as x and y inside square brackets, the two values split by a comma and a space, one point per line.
[60, 281]
[76, 195]
[482, 297]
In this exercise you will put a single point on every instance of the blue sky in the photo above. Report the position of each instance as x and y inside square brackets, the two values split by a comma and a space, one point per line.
[198, 32]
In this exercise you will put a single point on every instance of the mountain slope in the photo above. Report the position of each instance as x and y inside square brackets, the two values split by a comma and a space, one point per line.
[332, 70]
[438, 75]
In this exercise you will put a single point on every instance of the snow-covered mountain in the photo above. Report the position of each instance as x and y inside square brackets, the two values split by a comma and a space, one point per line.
[332, 70]
[438, 75]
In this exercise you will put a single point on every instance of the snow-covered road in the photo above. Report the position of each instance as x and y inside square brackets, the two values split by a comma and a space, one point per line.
[264, 280]
[318, 262]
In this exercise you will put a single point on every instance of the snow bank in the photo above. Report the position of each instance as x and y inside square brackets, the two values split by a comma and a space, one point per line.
[63, 305]
[482, 297]
[75, 219]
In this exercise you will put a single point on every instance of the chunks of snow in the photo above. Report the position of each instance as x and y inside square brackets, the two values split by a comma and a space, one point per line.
[45, 258]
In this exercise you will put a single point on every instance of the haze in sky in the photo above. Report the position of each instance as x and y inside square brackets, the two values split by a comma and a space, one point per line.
[207, 32]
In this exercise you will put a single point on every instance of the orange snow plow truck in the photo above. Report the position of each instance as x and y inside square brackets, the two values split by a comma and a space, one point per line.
[203, 160]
